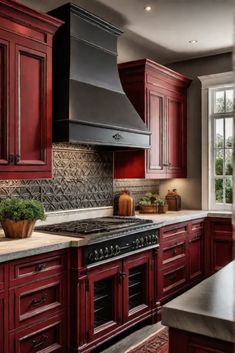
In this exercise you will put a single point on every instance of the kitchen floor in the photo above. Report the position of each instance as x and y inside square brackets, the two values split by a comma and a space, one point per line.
[133, 339]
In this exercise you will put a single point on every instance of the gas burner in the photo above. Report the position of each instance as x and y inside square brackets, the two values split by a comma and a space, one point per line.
[95, 225]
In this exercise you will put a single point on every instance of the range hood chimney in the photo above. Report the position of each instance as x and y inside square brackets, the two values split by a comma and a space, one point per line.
[89, 104]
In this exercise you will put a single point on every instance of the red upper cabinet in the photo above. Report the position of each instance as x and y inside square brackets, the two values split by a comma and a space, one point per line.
[25, 91]
[160, 96]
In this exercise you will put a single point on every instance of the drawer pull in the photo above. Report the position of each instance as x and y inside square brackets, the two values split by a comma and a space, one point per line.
[174, 251]
[40, 267]
[173, 276]
[39, 301]
[42, 340]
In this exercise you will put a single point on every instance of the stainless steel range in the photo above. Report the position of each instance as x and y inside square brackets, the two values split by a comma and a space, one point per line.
[109, 237]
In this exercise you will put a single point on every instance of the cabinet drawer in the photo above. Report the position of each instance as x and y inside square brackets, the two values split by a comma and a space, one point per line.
[174, 278]
[173, 232]
[197, 225]
[173, 251]
[195, 235]
[37, 267]
[37, 300]
[48, 336]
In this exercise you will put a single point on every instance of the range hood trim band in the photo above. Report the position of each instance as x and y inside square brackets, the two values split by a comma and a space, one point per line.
[96, 20]
[94, 45]
[114, 127]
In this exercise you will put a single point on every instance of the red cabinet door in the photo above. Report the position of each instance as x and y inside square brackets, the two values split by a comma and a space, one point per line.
[221, 244]
[196, 256]
[176, 136]
[4, 94]
[137, 285]
[31, 119]
[155, 157]
[104, 300]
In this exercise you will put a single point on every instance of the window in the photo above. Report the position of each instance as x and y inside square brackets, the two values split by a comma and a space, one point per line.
[217, 141]
[221, 154]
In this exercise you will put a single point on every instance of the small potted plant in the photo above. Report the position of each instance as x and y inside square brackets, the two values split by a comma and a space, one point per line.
[162, 205]
[147, 203]
[18, 217]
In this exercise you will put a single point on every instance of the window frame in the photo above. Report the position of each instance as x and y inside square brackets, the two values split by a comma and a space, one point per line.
[210, 83]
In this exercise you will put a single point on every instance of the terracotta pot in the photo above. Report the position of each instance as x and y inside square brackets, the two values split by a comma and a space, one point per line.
[148, 209]
[162, 209]
[17, 229]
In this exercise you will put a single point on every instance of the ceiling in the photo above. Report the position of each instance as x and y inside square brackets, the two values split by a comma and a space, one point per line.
[163, 34]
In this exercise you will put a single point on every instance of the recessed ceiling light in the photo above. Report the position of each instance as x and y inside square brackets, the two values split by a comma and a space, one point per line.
[193, 41]
[148, 8]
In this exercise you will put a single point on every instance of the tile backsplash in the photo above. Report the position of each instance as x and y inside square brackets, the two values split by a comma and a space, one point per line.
[137, 187]
[82, 178]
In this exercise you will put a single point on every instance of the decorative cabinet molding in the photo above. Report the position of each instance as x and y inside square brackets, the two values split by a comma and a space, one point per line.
[160, 97]
[25, 91]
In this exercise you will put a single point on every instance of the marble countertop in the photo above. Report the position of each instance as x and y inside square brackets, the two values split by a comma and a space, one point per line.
[38, 243]
[207, 308]
[172, 217]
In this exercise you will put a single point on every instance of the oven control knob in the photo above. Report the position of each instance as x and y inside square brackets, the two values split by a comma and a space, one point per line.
[146, 240]
[137, 243]
[142, 241]
[91, 256]
[101, 254]
[111, 250]
[150, 239]
[106, 252]
[96, 255]
[117, 249]
[154, 238]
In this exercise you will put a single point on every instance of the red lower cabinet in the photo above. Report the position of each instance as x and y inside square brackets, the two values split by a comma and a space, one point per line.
[219, 242]
[117, 295]
[187, 342]
[38, 304]
[2, 317]
[48, 336]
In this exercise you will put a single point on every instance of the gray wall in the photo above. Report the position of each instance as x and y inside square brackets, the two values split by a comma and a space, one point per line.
[190, 188]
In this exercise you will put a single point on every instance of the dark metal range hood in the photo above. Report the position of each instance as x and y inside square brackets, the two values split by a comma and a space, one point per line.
[89, 104]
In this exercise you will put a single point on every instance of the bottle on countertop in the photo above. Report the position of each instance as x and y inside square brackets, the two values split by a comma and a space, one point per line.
[173, 200]
[126, 205]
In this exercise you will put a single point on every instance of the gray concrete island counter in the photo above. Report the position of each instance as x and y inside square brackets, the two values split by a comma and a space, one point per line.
[207, 309]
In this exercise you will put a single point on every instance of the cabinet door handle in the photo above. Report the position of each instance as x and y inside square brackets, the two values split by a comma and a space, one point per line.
[121, 275]
[40, 267]
[42, 340]
[11, 158]
[17, 158]
[39, 301]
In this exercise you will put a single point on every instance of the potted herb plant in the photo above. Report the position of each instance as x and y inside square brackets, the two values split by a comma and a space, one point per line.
[162, 205]
[18, 217]
[147, 203]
